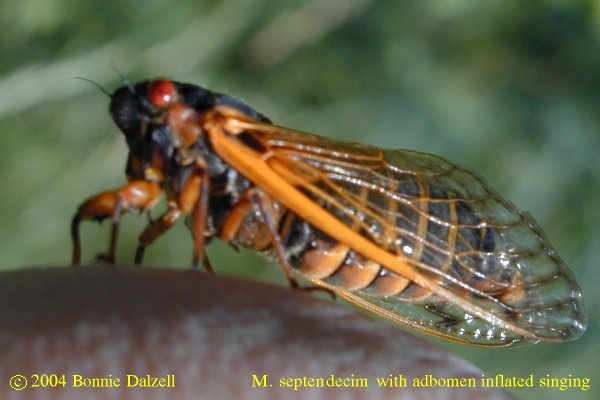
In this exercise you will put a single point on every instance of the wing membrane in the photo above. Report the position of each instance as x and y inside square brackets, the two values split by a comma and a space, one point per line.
[447, 224]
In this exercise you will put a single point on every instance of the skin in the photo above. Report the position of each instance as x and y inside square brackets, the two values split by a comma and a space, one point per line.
[212, 332]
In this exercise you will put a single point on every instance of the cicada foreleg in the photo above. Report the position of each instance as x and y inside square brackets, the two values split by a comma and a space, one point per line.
[135, 195]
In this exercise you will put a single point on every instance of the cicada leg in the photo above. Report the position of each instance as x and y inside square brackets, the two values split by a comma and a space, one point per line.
[155, 229]
[193, 197]
[135, 195]
[257, 198]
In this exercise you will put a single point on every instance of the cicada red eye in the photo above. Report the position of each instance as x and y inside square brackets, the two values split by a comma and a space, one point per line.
[161, 93]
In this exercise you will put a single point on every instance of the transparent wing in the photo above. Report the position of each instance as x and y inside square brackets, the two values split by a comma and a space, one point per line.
[447, 223]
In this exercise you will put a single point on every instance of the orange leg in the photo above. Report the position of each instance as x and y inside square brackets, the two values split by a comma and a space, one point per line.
[265, 205]
[200, 222]
[135, 195]
[155, 229]
[194, 197]
[255, 197]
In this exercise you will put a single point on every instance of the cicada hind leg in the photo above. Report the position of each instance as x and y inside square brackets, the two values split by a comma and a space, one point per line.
[136, 195]
[264, 235]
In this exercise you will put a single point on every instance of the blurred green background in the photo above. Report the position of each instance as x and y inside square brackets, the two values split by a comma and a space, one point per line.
[510, 89]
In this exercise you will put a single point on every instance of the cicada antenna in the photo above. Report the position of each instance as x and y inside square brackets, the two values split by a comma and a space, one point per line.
[125, 81]
[95, 84]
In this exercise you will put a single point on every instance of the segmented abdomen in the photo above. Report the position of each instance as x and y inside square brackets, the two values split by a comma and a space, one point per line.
[429, 231]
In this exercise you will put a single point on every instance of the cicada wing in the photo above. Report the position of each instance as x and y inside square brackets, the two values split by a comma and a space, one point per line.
[440, 318]
[445, 223]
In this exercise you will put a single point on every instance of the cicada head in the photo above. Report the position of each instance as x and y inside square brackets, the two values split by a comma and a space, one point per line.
[140, 110]
[133, 108]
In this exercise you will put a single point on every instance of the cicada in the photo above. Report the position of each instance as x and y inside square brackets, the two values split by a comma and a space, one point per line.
[406, 235]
